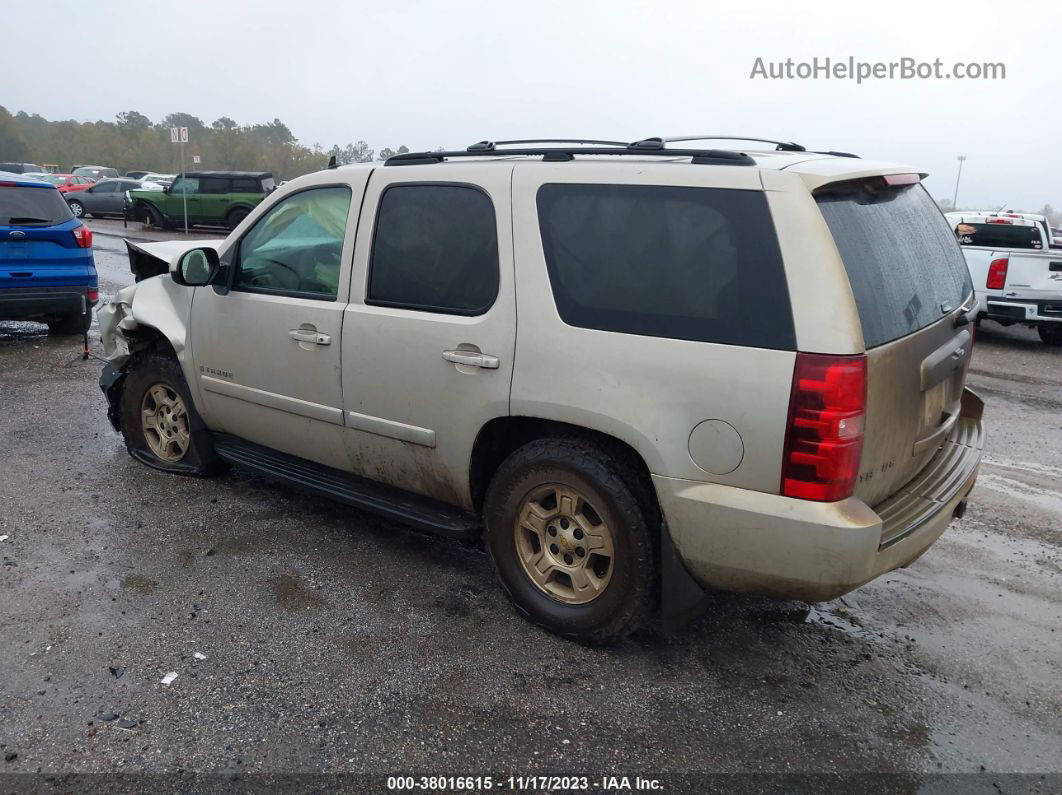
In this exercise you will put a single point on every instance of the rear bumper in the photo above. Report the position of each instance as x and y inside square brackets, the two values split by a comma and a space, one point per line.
[1024, 310]
[25, 303]
[738, 540]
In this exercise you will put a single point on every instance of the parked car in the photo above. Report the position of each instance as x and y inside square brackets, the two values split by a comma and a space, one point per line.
[21, 168]
[106, 197]
[213, 198]
[162, 180]
[741, 371]
[136, 174]
[96, 172]
[66, 183]
[47, 272]
[1015, 272]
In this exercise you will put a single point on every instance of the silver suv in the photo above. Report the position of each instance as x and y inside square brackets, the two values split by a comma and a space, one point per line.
[630, 367]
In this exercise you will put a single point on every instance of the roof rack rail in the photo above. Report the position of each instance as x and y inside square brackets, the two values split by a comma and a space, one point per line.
[724, 157]
[780, 146]
[489, 146]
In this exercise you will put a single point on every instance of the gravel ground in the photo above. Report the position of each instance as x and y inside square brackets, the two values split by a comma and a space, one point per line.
[310, 638]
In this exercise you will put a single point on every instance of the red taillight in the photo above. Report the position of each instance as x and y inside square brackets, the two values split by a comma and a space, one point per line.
[93, 295]
[83, 236]
[997, 273]
[1000, 221]
[824, 438]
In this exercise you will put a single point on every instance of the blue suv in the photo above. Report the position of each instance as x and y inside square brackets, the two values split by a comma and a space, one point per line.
[46, 268]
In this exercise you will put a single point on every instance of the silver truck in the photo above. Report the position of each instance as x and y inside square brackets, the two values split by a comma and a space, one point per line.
[635, 370]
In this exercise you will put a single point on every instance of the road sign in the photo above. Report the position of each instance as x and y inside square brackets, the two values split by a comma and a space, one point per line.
[195, 158]
[179, 135]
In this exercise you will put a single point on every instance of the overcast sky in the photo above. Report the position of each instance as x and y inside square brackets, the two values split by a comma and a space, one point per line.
[432, 73]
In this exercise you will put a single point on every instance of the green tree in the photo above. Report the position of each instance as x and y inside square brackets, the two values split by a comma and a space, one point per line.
[12, 145]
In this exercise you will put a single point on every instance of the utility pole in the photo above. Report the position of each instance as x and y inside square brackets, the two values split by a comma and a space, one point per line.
[955, 198]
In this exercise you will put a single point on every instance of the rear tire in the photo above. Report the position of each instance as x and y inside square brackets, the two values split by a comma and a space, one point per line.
[235, 218]
[70, 324]
[77, 208]
[159, 422]
[571, 541]
[1050, 333]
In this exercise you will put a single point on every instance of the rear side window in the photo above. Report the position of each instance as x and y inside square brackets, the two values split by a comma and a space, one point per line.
[21, 206]
[213, 185]
[998, 236]
[903, 263]
[435, 249]
[245, 185]
[687, 263]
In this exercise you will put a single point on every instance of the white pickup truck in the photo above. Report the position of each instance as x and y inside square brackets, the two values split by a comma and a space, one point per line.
[1015, 268]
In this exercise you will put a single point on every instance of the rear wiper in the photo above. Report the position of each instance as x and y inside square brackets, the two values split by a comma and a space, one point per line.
[20, 220]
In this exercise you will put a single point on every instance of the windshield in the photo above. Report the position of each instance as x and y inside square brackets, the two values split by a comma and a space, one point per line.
[23, 206]
[904, 266]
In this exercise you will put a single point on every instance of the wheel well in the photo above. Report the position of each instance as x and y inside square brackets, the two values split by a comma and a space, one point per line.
[502, 435]
[145, 339]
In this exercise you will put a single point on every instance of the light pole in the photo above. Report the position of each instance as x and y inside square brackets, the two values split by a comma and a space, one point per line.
[955, 198]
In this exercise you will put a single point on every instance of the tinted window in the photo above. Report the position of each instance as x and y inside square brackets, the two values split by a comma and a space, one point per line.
[297, 246]
[688, 263]
[105, 187]
[998, 236]
[32, 206]
[436, 249]
[245, 185]
[903, 263]
[213, 185]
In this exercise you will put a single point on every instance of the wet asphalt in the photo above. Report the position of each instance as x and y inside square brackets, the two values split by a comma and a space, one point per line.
[310, 638]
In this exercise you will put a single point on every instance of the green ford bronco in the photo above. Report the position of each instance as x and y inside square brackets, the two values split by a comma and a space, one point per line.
[214, 198]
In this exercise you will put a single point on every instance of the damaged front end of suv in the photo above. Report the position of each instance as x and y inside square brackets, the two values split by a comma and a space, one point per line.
[148, 316]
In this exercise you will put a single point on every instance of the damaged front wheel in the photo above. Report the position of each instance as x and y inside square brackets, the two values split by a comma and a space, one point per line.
[159, 422]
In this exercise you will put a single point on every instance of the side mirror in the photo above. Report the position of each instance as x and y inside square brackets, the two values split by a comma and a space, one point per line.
[196, 268]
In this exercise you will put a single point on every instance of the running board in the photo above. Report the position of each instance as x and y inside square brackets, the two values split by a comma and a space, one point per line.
[402, 506]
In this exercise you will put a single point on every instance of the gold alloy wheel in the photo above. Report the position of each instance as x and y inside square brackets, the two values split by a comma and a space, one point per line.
[164, 419]
[564, 545]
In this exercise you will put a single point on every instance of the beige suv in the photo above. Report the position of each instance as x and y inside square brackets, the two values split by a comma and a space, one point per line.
[629, 367]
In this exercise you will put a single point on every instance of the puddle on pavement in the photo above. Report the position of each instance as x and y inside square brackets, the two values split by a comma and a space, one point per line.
[138, 583]
[1042, 498]
[290, 593]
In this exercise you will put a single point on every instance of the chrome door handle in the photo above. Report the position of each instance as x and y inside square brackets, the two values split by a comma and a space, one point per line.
[472, 359]
[310, 336]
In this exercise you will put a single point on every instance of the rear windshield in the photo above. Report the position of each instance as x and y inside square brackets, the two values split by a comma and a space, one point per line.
[20, 206]
[903, 263]
[687, 263]
[998, 236]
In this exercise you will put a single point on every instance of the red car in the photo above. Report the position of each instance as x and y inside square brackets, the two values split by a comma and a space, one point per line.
[67, 183]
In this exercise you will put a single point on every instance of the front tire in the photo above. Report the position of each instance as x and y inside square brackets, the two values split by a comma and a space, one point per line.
[147, 214]
[1050, 333]
[571, 541]
[77, 208]
[158, 419]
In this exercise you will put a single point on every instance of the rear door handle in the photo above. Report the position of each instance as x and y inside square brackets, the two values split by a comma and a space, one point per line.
[310, 336]
[472, 359]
